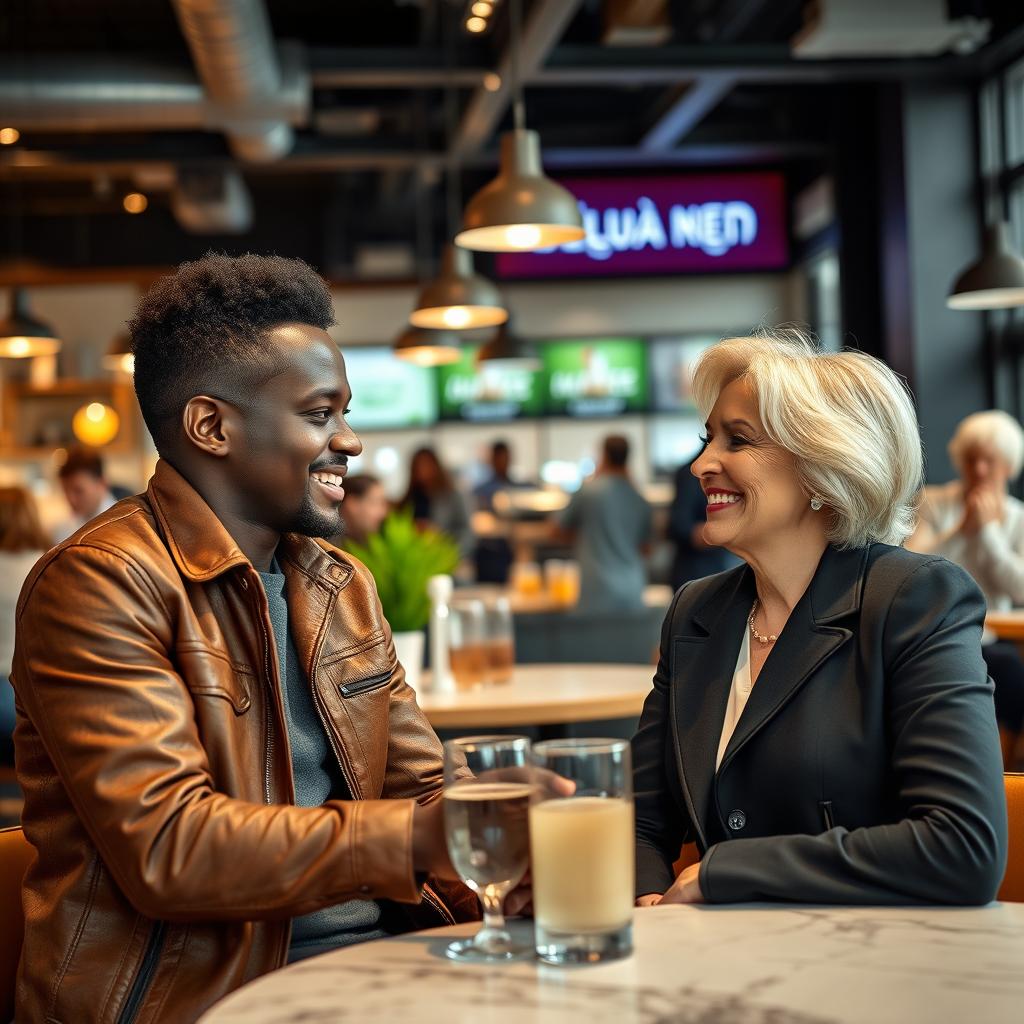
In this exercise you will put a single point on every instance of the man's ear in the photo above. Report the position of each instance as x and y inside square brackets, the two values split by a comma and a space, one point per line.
[208, 424]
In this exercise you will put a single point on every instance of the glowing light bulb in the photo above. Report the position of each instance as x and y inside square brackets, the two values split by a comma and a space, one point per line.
[19, 347]
[476, 24]
[9, 136]
[482, 9]
[523, 236]
[135, 202]
[492, 81]
[456, 316]
[96, 424]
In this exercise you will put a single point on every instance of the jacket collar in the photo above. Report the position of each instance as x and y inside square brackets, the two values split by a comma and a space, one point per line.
[203, 549]
[702, 675]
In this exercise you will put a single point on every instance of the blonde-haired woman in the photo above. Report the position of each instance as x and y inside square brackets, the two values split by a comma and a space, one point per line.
[821, 722]
[975, 522]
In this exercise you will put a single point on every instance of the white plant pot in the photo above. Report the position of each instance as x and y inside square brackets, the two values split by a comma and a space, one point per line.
[409, 648]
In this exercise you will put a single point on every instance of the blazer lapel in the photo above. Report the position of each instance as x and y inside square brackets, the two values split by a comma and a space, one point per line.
[808, 638]
[703, 664]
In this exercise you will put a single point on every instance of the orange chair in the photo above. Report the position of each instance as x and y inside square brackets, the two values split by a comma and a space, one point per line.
[1012, 889]
[15, 854]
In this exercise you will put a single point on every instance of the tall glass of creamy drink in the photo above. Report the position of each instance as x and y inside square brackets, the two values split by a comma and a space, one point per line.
[582, 851]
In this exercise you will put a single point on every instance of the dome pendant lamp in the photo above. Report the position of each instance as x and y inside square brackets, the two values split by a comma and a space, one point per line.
[521, 210]
[996, 281]
[428, 348]
[506, 348]
[458, 299]
[22, 335]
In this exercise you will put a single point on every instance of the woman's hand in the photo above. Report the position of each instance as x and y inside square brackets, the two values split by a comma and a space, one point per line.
[988, 506]
[686, 888]
[650, 899]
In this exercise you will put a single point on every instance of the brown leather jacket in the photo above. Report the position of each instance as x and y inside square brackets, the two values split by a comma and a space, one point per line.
[152, 751]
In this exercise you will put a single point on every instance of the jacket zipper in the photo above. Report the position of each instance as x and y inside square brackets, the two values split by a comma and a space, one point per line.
[268, 718]
[150, 961]
[345, 773]
[826, 815]
[358, 686]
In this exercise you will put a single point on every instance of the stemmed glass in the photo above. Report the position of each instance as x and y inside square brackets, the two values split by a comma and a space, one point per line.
[486, 817]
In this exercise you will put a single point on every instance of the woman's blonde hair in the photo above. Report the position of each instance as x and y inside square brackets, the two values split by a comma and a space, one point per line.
[845, 416]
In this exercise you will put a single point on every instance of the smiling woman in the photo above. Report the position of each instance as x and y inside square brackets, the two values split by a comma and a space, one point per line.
[821, 722]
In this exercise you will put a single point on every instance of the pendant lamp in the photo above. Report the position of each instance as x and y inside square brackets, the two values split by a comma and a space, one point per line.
[458, 299]
[119, 357]
[507, 349]
[996, 281]
[22, 335]
[428, 348]
[521, 210]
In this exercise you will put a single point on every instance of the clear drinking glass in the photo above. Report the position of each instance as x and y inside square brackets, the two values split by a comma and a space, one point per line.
[525, 578]
[582, 852]
[467, 642]
[501, 643]
[486, 819]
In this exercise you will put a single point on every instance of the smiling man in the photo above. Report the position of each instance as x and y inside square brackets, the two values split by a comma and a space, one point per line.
[223, 767]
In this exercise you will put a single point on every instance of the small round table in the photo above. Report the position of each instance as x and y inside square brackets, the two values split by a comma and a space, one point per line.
[542, 695]
[778, 964]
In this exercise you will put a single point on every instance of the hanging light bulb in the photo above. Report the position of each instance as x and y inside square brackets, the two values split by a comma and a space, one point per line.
[521, 210]
[458, 299]
[506, 348]
[23, 336]
[996, 281]
[96, 424]
[428, 348]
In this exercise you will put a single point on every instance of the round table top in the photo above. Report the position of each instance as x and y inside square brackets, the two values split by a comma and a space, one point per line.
[778, 964]
[1006, 625]
[542, 695]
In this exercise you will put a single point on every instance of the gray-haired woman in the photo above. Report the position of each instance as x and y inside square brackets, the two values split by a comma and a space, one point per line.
[975, 522]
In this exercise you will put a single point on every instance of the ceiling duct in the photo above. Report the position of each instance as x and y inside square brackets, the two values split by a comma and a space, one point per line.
[881, 28]
[212, 201]
[260, 90]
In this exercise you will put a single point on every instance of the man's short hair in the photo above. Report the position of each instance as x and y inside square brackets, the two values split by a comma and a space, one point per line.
[616, 451]
[82, 460]
[203, 330]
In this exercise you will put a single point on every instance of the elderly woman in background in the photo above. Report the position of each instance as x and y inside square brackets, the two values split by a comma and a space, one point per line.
[22, 542]
[821, 722]
[977, 523]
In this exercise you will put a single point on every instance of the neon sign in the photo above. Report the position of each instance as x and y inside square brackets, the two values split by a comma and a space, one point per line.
[694, 223]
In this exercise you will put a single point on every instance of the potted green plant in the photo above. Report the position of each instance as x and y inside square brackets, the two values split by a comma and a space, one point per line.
[402, 557]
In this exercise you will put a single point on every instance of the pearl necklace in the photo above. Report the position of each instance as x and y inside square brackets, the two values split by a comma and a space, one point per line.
[762, 640]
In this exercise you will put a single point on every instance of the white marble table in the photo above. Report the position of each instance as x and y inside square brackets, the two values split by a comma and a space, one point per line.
[542, 695]
[692, 965]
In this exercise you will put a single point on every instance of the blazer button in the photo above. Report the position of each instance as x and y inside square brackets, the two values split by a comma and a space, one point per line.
[737, 819]
[364, 888]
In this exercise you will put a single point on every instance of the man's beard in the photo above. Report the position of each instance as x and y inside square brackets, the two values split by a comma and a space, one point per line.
[313, 522]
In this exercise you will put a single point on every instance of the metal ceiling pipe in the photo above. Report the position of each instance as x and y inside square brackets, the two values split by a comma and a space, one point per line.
[260, 91]
[69, 93]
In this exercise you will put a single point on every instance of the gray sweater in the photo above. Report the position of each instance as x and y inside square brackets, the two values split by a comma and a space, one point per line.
[318, 778]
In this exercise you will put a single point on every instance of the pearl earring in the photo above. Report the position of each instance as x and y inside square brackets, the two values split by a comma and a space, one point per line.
[816, 503]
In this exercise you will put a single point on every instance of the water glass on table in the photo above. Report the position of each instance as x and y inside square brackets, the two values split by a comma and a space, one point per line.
[486, 819]
[467, 643]
[501, 643]
[582, 853]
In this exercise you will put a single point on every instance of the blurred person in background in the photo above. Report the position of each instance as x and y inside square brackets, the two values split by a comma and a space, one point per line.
[364, 509]
[494, 553]
[22, 542]
[609, 524]
[695, 557]
[436, 501]
[85, 487]
[975, 522]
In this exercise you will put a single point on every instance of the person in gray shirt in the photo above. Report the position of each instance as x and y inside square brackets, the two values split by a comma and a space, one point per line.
[610, 525]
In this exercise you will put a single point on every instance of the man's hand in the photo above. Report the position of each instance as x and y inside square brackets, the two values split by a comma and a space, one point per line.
[429, 847]
[686, 888]
[650, 899]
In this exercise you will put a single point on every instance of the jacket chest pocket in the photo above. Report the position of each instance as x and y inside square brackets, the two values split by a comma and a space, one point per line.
[212, 675]
[362, 671]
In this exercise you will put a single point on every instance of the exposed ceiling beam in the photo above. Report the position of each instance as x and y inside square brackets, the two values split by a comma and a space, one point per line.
[687, 111]
[544, 27]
